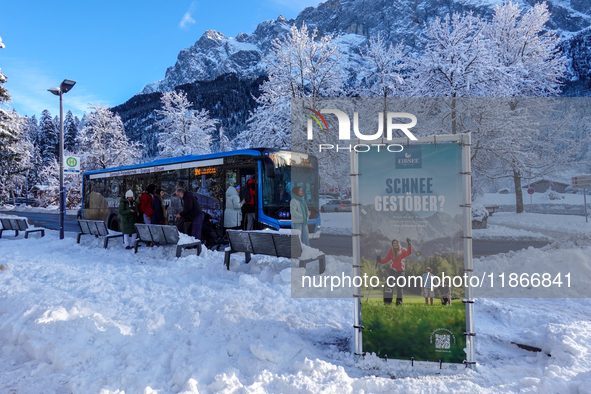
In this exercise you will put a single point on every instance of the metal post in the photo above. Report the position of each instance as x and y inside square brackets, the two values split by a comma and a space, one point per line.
[468, 265]
[356, 252]
[61, 153]
[585, 200]
[27, 190]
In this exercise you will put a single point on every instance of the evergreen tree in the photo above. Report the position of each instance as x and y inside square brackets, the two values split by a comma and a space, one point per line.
[32, 135]
[70, 132]
[49, 137]
[13, 154]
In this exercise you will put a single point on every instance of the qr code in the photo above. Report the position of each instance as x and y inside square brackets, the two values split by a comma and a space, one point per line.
[442, 341]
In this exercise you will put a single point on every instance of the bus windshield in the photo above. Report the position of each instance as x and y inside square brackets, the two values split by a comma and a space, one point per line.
[291, 169]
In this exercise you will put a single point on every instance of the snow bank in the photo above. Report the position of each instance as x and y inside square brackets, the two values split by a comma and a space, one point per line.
[82, 319]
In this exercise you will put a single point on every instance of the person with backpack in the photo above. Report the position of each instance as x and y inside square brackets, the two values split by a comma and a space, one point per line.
[249, 197]
[191, 212]
[146, 203]
[129, 217]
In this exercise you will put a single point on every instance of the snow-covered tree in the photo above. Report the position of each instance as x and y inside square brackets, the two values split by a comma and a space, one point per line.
[49, 137]
[102, 143]
[70, 132]
[14, 150]
[524, 140]
[225, 145]
[300, 64]
[184, 131]
[528, 53]
[458, 61]
[382, 71]
[50, 182]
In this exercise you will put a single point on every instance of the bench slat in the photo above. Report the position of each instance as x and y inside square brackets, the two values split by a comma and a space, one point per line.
[158, 236]
[171, 234]
[240, 241]
[6, 224]
[84, 226]
[263, 244]
[143, 232]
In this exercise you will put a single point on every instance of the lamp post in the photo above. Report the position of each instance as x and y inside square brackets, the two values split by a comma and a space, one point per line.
[65, 87]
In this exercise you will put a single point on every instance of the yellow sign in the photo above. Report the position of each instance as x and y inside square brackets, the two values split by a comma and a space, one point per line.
[205, 170]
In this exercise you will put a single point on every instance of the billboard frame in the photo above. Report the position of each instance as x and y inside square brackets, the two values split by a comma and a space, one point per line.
[465, 141]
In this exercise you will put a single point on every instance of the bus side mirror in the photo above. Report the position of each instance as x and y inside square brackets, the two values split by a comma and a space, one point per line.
[269, 167]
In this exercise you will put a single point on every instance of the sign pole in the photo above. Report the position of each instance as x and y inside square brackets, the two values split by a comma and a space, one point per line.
[356, 253]
[585, 200]
[468, 264]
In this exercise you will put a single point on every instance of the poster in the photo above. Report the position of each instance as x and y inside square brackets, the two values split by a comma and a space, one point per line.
[411, 225]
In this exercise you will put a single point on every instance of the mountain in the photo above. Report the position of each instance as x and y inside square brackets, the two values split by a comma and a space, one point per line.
[206, 65]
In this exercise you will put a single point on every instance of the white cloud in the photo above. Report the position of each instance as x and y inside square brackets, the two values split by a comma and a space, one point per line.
[187, 18]
[27, 85]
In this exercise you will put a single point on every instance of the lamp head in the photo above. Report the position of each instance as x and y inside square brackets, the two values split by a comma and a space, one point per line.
[55, 91]
[67, 85]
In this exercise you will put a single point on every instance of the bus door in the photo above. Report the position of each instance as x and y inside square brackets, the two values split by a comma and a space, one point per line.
[241, 175]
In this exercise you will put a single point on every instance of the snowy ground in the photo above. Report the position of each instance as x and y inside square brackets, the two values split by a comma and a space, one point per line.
[27, 208]
[536, 198]
[502, 226]
[76, 318]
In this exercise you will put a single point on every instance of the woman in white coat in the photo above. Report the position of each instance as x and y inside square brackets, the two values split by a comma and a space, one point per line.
[233, 211]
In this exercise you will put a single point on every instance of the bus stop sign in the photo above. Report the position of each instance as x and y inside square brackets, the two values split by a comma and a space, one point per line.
[71, 165]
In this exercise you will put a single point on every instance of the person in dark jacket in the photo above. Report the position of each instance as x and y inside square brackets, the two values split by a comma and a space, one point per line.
[250, 206]
[191, 212]
[129, 217]
[158, 207]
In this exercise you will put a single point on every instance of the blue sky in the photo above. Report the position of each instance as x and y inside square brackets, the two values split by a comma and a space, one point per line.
[111, 48]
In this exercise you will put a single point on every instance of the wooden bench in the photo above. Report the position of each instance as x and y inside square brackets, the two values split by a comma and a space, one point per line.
[270, 243]
[492, 209]
[17, 225]
[98, 228]
[159, 234]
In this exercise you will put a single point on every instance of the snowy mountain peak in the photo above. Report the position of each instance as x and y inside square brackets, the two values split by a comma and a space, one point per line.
[402, 21]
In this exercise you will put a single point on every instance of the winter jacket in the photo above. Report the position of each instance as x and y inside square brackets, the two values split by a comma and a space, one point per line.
[233, 212]
[128, 218]
[398, 262]
[146, 204]
[157, 207]
[298, 210]
[191, 208]
[250, 197]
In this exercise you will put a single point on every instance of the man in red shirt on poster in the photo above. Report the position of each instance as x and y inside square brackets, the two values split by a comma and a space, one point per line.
[395, 257]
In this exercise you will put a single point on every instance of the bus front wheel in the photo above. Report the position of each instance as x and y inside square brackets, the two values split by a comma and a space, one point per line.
[114, 224]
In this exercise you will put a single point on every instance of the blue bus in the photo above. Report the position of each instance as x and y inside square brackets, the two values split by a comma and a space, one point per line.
[275, 172]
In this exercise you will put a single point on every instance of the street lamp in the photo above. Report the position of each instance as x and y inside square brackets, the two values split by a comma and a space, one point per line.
[65, 87]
